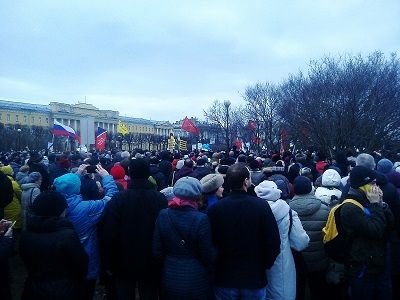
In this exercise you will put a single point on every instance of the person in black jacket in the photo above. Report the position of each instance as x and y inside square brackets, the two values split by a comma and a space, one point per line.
[247, 239]
[126, 234]
[52, 253]
[35, 165]
[182, 241]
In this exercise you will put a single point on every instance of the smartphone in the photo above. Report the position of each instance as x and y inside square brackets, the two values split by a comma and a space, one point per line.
[91, 169]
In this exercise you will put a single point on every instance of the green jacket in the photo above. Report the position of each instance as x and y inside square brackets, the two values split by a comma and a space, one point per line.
[367, 230]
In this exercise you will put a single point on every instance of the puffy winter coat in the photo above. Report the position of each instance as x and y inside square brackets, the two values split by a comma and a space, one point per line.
[186, 267]
[85, 214]
[313, 215]
[29, 193]
[12, 211]
[126, 231]
[54, 258]
[282, 275]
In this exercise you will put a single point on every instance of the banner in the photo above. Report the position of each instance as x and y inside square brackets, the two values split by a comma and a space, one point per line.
[171, 143]
[101, 136]
[60, 129]
[182, 145]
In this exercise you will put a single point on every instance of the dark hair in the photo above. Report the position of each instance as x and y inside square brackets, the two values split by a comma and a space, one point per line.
[236, 175]
[189, 163]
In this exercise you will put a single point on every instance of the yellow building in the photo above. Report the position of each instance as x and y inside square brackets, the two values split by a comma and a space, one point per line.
[26, 114]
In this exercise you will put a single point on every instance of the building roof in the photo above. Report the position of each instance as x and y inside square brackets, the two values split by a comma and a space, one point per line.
[136, 120]
[11, 105]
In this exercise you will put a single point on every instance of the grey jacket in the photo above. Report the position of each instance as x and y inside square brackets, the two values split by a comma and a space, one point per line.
[313, 215]
[29, 193]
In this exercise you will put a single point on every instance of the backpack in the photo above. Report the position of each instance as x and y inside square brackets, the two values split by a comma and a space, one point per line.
[336, 242]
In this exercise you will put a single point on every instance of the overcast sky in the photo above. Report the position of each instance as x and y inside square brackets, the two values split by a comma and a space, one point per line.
[163, 60]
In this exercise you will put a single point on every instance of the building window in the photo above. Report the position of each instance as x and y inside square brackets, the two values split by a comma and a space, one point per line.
[8, 117]
[47, 120]
[25, 119]
[0, 117]
[33, 119]
[40, 120]
[16, 118]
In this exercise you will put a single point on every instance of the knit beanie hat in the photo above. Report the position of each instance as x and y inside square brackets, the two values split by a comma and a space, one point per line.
[187, 188]
[360, 176]
[117, 172]
[139, 169]
[34, 176]
[331, 178]
[68, 184]
[211, 182]
[302, 185]
[268, 190]
[49, 204]
[384, 166]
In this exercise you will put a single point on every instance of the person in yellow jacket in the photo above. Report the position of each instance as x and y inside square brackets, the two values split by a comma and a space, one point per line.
[12, 211]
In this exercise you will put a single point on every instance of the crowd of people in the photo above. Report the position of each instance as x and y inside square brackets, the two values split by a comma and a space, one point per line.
[200, 225]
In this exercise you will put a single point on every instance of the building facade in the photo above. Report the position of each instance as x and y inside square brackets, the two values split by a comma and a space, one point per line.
[141, 132]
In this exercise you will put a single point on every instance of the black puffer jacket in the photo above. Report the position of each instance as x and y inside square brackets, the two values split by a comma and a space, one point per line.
[367, 232]
[126, 232]
[56, 262]
[186, 269]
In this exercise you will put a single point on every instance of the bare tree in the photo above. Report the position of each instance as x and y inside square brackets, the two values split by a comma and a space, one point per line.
[261, 106]
[345, 102]
[220, 113]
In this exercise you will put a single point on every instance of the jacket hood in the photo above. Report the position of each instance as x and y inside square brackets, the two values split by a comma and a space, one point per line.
[279, 208]
[381, 179]
[305, 204]
[68, 184]
[27, 186]
[331, 178]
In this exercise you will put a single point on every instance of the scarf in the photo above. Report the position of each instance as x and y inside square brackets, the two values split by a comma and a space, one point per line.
[177, 203]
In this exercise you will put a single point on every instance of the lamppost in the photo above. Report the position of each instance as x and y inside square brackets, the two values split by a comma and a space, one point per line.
[19, 139]
[227, 104]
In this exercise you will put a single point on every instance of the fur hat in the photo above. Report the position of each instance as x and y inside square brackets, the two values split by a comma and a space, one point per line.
[187, 188]
[302, 185]
[384, 166]
[211, 182]
[360, 176]
[49, 204]
[268, 190]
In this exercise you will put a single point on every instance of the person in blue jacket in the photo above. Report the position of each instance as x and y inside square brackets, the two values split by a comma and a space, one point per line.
[85, 215]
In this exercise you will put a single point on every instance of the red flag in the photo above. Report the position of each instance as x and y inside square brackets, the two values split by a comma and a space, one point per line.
[101, 136]
[251, 125]
[189, 126]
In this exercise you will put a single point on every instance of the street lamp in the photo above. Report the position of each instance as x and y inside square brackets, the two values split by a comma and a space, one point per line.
[227, 104]
[19, 139]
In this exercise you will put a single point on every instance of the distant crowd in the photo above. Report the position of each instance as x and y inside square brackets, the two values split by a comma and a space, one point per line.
[200, 225]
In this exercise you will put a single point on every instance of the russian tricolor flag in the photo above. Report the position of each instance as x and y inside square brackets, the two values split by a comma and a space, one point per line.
[63, 130]
[101, 136]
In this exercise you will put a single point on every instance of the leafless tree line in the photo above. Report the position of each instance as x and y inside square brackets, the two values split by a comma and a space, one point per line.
[341, 102]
